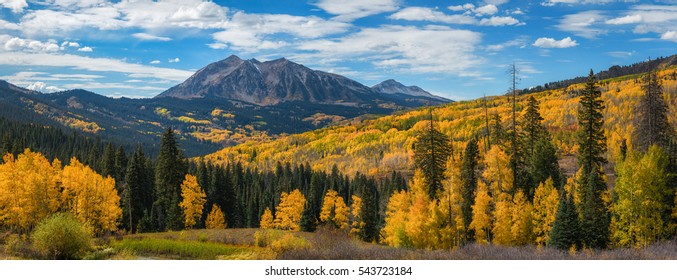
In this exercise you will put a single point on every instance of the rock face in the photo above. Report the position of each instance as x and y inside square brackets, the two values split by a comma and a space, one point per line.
[394, 87]
[269, 83]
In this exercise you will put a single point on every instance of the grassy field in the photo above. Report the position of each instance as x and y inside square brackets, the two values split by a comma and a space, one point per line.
[324, 244]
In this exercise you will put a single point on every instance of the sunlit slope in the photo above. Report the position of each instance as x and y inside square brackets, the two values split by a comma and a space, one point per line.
[379, 146]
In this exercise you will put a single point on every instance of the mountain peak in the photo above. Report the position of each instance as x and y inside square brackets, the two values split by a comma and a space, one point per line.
[391, 86]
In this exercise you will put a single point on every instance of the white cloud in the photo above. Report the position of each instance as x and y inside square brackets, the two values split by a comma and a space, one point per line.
[252, 32]
[155, 62]
[499, 21]
[70, 44]
[91, 64]
[496, 2]
[174, 60]
[669, 36]
[428, 14]
[348, 10]
[583, 24]
[431, 49]
[573, 2]
[150, 37]
[486, 10]
[105, 15]
[17, 6]
[85, 49]
[5, 25]
[620, 54]
[520, 42]
[42, 87]
[459, 8]
[629, 19]
[19, 44]
[549, 43]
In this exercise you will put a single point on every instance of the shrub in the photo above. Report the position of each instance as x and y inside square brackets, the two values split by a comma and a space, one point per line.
[61, 237]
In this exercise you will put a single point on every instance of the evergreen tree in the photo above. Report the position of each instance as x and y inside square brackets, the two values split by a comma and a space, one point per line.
[533, 126]
[498, 134]
[431, 151]
[592, 146]
[169, 174]
[108, 161]
[544, 164]
[566, 228]
[370, 210]
[120, 164]
[469, 183]
[652, 116]
[134, 185]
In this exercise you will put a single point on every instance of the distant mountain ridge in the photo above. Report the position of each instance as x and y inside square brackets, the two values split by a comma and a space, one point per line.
[280, 80]
[391, 86]
[613, 72]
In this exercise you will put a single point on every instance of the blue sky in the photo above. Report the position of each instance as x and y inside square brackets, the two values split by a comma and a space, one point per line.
[456, 49]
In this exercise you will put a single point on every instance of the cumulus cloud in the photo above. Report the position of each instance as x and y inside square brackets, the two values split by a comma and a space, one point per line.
[430, 49]
[150, 37]
[174, 60]
[17, 6]
[549, 43]
[520, 42]
[20, 44]
[70, 44]
[155, 62]
[499, 21]
[105, 15]
[432, 15]
[253, 32]
[42, 87]
[486, 10]
[669, 36]
[85, 49]
[348, 10]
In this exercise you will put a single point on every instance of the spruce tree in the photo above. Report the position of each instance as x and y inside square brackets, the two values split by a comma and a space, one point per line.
[370, 210]
[121, 162]
[469, 183]
[169, 174]
[431, 151]
[592, 146]
[533, 126]
[108, 161]
[652, 116]
[132, 200]
[566, 228]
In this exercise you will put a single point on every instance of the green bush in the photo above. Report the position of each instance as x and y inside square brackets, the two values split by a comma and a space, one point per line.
[61, 237]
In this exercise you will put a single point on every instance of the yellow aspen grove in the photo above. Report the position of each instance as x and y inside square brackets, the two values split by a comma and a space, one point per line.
[29, 190]
[215, 219]
[266, 219]
[396, 217]
[288, 212]
[334, 210]
[193, 202]
[450, 202]
[415, 226]
[502, 228]
[357, 223]
[546, 202]
[522, 220]
[497, 170]
[90, 197]
[481, 214]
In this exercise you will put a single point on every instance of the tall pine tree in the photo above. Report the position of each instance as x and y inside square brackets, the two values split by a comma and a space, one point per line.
[469, 183]
[595, 217]
[652, 116]
[169, 173]
[431, 151]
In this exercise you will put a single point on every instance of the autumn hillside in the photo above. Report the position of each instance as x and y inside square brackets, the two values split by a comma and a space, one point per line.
[378, 146]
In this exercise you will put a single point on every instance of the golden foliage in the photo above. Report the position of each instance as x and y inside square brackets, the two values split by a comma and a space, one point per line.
[334, 210]
[29, 190]
[193, 200]
[266, 219]
[288, 212]
[215, 219]
[546, 202]
[396, 217]
[91, 198]
[481, 214]
[357, 223]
